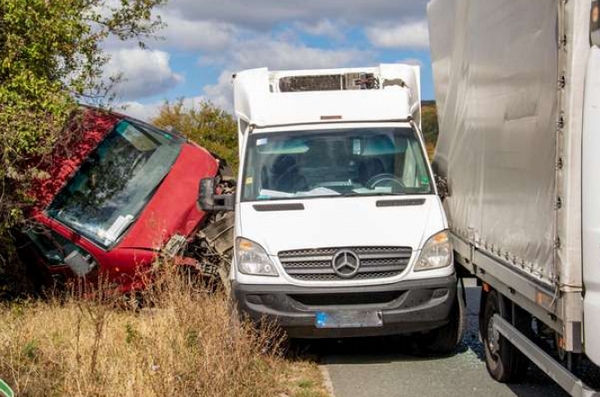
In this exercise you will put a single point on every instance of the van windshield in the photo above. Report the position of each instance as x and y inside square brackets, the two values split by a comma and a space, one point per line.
[116, 181]
[341, 162]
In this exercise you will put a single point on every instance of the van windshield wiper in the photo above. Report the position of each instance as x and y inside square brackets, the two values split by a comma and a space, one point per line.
[355, 194]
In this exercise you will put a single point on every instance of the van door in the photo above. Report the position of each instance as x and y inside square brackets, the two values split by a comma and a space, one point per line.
[55, 257]
[591, 206]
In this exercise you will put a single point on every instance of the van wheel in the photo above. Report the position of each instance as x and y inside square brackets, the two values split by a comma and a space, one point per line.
[504, 362]
[444, 340]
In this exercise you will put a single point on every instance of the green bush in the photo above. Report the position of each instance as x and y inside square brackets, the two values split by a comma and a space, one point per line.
[51, 58]
[204, 123]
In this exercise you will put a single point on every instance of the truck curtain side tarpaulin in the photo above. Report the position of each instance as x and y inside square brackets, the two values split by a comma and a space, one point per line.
[501, 70]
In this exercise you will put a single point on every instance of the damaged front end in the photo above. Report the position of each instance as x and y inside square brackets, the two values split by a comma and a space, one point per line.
[114, 197]
[208, 252]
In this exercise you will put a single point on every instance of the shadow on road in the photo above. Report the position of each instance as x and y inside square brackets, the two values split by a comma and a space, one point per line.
[364, 350]
[389, 348]
[399, 355]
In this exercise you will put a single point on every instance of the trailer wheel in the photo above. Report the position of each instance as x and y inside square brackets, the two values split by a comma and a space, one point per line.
[504, 362]
[444, 340]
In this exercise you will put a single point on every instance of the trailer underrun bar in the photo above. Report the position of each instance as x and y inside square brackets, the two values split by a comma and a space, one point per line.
[565, 379]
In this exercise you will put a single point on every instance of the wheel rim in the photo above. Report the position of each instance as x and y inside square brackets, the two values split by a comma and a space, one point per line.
[493, 338]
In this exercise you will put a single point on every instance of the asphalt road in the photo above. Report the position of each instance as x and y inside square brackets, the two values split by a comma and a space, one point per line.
[394, 367]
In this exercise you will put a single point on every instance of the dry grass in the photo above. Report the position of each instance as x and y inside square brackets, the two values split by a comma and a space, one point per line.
[182, 343]
[304, 379]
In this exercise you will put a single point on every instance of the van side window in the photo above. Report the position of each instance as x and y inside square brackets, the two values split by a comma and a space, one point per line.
[414, 168]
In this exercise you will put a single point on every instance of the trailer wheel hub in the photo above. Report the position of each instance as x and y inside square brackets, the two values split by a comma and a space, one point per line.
[493, 337]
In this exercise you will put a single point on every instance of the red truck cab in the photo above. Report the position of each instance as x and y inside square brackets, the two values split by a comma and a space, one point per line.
[117, 193]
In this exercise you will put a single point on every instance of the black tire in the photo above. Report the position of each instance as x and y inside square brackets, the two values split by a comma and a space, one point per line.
[444, 340]
[504, 362]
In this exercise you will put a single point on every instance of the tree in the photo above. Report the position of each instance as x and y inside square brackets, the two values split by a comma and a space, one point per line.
[429, 125]
[51, 58]
[206, 124]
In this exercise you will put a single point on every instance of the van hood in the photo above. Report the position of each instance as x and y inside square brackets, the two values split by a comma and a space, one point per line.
[341, 222]
[172, 209]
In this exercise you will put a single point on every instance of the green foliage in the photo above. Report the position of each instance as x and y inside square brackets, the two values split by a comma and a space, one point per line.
[50, 58]
[429, 126]
[132, 335]
[31, 349]
[429, 122]
[205, 124]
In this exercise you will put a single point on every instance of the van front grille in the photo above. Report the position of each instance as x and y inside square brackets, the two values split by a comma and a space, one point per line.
[316, 264]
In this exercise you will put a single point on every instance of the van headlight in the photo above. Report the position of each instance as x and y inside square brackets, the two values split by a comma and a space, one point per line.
[436, 253]
[252, 259]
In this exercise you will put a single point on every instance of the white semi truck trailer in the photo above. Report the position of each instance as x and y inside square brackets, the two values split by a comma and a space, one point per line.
[517, 85]
[338, 228]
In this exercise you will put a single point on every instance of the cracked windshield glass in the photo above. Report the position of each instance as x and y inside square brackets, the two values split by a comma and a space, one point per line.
[116, 181]
[325, 163]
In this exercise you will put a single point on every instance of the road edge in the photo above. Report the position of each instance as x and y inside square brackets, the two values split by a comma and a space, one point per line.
[327, 383]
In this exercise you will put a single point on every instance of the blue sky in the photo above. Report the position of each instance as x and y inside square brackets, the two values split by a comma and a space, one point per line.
[206, 41]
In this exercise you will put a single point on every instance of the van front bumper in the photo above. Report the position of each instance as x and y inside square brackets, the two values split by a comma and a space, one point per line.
[404, 307]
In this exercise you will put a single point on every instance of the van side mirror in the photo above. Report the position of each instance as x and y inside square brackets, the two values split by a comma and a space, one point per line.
[208, 201]
[78, 263]
[442, 186]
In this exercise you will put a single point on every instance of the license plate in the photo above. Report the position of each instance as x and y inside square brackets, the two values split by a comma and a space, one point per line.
[349, 319]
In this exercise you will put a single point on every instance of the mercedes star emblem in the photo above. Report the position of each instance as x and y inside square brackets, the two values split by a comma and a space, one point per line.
[345, 263]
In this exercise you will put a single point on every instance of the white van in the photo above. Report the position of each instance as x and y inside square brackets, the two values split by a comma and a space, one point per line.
[339, 230]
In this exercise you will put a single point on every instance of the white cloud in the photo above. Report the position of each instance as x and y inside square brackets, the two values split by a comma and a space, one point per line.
[324, 28]
[411, 61]
[282, 55]
[139, 110]
[148, 111]
[221, 93]
[277, 54]
[240, 35]
[144, 73]
[266, 14]
[194, 35]
[408, 35]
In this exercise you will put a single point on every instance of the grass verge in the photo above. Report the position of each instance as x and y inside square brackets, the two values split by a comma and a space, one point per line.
[304, 379]
[184, 342]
